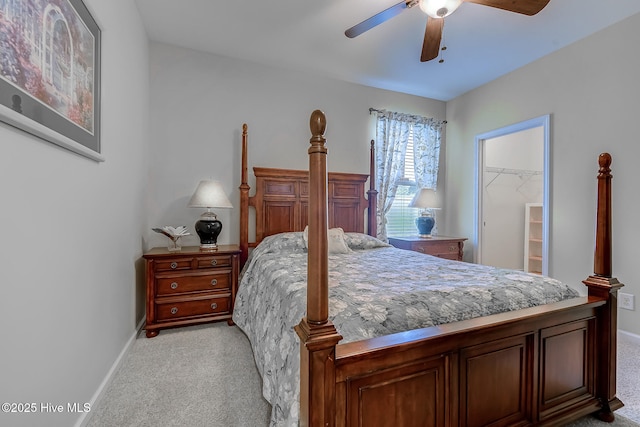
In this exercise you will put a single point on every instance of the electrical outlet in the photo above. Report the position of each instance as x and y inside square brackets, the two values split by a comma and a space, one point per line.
[626, 301]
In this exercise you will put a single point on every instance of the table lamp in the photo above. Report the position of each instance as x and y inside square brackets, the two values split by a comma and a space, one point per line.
[209, 194]
[426, 200]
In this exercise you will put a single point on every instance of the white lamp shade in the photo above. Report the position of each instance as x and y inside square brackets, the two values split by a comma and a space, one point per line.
[209, 194]
[426, 198]
[439, 8]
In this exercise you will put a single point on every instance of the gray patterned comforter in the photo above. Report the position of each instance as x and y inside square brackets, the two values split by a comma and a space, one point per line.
[367, 298]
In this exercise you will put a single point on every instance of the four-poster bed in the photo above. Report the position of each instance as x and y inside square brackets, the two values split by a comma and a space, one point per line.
[543, 365]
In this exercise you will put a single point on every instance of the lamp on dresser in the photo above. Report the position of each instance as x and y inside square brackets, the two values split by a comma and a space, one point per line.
[426, 200]
[209, 194]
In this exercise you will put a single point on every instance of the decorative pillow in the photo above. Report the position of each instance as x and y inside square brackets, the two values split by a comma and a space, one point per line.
[335, 237]
[363, 241]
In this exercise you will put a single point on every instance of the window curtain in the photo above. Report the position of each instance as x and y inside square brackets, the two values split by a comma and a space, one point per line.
[427, 135]
[392, 136]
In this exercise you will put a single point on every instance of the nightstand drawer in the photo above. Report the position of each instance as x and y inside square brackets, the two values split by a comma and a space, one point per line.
[214, 261]
[173, 264]
[175, 285]
[440, 246]
[436, 248]
[192, 308]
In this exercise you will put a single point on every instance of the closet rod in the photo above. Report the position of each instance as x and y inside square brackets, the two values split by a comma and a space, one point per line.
[520, 172]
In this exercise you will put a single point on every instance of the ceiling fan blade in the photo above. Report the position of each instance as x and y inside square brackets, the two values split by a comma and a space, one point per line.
[526, 7]
[432, 37]
[377, 19]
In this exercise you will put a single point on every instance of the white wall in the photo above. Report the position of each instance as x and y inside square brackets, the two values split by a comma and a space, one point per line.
[591, 90]
[199, 103]
[71, 239]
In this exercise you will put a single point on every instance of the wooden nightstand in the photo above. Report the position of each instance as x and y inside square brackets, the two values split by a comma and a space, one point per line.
[190, 286]
[440, 246]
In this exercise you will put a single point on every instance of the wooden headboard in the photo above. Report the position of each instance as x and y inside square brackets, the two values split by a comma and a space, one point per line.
[281, 201]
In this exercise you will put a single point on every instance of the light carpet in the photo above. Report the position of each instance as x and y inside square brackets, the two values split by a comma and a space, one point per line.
[205, 376]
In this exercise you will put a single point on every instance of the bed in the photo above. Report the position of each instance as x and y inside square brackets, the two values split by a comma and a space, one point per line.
[331, 354]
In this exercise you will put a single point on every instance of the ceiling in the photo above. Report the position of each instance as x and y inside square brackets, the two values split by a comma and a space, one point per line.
[483, 43]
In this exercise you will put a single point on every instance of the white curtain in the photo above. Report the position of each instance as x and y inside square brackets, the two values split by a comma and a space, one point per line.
[392, 136]
[427, 135]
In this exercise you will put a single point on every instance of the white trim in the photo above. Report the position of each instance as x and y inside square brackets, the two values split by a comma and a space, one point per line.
[628, 337]
[545, 123]
[84, 419]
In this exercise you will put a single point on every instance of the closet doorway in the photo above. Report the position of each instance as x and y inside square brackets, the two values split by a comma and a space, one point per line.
[512, 197]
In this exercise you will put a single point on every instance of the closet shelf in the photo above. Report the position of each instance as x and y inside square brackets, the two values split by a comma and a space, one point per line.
[533, 239]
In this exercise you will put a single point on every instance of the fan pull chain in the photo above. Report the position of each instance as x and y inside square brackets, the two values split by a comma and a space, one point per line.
[442, 44]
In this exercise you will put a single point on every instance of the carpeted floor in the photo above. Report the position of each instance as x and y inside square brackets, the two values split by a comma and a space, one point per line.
[205, 376]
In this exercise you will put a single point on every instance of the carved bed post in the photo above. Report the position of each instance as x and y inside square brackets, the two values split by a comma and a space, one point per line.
[602, 285]
[372, 211]
[244, 202]
[318, 336]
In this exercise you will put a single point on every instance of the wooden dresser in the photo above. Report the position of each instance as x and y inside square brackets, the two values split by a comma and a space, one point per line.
[190, 286]
[440, 246]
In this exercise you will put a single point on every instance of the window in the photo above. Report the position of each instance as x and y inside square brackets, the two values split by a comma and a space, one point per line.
[401, 218]
[407, 157]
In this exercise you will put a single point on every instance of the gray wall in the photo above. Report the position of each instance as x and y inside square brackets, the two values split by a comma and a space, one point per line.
[199, 103]
[591, 90]
[71, 239]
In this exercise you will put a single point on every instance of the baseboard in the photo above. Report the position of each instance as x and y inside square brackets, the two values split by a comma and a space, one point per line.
[83, 420]
[628, 337]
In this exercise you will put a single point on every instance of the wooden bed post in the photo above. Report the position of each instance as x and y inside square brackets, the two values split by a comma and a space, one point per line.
[244, 202]
[602, 285]
[318, 336]
[372, 210]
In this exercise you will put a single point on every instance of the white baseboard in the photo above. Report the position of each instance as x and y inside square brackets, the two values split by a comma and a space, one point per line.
[628, 337]
[83, 420]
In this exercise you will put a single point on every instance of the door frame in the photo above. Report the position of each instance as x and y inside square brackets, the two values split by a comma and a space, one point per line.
[545, 122]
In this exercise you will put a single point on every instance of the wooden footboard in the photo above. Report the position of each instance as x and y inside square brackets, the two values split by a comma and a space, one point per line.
[534, 366]
[545, 365]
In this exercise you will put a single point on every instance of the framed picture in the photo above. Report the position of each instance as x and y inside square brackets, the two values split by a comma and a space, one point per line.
[50, 72]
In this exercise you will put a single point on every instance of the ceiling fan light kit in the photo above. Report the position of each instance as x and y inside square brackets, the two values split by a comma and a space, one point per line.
[438, 9]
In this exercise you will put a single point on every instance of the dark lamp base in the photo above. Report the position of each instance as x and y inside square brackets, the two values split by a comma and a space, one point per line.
[208, 230]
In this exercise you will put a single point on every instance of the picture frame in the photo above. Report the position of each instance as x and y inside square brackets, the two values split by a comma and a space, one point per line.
[50, 72]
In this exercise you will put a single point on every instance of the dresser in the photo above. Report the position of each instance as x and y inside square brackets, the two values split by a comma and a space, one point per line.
[440, 246]
[190, 286]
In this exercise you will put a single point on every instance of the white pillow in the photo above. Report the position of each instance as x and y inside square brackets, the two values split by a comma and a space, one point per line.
[335, 237]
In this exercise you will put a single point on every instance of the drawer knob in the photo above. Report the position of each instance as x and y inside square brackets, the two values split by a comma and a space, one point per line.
[174, 285]
[214, 282]
[174, 310]
[174, 265]
[453, 248]
[214, 262]
[214, 306]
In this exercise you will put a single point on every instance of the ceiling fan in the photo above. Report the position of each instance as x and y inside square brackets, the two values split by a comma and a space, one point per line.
[436, 11]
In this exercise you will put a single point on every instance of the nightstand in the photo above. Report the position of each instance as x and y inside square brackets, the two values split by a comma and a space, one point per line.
[440, 246]
[190, 286]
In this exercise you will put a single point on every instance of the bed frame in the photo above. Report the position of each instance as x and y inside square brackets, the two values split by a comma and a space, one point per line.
[546, 365]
